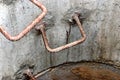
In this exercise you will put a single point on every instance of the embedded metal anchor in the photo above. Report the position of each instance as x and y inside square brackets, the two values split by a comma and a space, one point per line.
[29, 27]
[29, 74]
[42, 29]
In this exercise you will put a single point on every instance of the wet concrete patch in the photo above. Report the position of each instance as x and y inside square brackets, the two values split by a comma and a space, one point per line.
[84, 14]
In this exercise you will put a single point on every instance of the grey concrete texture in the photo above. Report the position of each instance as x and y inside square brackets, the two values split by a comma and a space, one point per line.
[102, 28]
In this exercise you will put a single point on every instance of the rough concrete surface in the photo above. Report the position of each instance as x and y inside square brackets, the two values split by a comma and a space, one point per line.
[102, 28]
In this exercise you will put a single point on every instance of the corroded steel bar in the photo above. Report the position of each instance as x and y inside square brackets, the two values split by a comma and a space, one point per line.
[29, 27]
[32, 77]
[29, 74]
[42, 29]
[43, 72]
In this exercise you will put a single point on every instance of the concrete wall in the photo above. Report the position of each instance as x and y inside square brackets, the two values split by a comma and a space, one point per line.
[102, 28]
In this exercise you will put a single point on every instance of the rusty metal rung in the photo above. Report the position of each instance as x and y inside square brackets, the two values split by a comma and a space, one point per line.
[29, 27]
[42, 29]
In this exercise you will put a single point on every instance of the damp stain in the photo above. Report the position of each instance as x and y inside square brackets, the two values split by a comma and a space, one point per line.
[8, 2]
[82, 71]
[88, 73]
